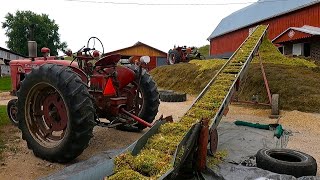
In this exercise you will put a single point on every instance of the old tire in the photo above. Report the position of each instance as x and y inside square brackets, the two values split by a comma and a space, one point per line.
[12, 111]
[275, 105]
[173, 57]
[165, 91]
[173, 97]
[55, 113]
[286, 161]
[150, 100]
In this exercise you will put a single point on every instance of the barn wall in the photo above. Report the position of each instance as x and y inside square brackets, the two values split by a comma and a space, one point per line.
[230, 42]
[139, 51]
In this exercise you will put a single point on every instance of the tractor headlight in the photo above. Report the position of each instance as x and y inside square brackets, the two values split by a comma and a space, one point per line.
[145, 59]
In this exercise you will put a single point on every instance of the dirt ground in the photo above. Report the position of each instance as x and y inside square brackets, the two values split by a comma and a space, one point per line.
[20, 163]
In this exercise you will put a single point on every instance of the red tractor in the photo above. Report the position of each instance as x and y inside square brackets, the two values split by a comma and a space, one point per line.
[60, 101]
[183, 54]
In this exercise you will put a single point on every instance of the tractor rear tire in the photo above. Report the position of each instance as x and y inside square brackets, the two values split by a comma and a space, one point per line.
[55, 113]
[150, 95]
[173, 57]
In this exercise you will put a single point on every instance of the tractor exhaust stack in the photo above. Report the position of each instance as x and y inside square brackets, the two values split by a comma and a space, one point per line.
[32, 49]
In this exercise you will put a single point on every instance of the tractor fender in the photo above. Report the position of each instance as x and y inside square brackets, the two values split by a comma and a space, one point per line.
[81, 73]
[125, 76]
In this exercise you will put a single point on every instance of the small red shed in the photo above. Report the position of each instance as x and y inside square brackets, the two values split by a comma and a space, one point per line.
[157, 57]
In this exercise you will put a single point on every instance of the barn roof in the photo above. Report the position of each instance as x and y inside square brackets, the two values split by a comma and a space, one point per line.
[307, 30]
[12, 52]
[137, 44]
[257, 12]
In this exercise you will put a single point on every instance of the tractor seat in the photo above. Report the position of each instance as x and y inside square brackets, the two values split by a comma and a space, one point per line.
[112, 59]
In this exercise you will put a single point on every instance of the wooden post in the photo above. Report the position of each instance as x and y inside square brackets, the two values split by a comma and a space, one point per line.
[202, 145]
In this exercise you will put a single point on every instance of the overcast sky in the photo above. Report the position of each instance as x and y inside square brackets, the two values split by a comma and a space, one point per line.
[122, 25]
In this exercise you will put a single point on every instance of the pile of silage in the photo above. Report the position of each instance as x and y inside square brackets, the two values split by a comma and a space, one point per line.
[269, 53]
[157, 155]
[189, 77]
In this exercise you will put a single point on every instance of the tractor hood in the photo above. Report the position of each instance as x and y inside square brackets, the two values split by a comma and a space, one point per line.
[27, 64]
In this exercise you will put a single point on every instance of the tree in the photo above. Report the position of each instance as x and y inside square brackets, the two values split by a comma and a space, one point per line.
[204, 50]
[26, 25]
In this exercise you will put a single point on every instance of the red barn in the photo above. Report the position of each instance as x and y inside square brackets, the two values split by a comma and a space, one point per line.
[293, 26]
[157, 57]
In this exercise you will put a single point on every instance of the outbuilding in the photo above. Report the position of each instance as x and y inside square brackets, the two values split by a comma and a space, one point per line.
[139, 49]
[293, 27]
[6, 56]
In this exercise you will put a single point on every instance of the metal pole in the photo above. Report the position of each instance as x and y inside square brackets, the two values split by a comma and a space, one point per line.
[265, 79]
[136, 118]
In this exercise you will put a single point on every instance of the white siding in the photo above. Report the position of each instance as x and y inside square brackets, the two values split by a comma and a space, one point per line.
[5, 70]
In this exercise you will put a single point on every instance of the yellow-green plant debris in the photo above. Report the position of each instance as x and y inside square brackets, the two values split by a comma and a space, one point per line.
[127, 174]
[207, 64]
[218, 157]
[157, 155]
[164, 142]
[270, 54]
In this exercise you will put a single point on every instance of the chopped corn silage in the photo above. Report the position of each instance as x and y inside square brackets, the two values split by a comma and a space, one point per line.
[157, 155]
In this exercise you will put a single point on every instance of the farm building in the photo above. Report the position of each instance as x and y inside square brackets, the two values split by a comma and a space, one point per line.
[157, 57]
[293, 27]
[5, 57]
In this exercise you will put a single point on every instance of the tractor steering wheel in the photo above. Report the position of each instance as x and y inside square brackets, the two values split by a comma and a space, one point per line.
[91, 44]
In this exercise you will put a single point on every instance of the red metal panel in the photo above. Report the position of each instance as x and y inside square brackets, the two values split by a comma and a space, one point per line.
[291, 35]
[153, 63]
[231, 41]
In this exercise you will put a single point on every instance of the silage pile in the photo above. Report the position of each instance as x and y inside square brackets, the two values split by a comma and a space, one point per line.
[156, 157]
[269, 53]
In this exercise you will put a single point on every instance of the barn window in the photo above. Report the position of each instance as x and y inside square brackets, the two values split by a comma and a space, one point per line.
[297, 49]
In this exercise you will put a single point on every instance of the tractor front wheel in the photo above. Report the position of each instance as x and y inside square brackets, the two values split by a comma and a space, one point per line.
[12, 111]
[55, 113]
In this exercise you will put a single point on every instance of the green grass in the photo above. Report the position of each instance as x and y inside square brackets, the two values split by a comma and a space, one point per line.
[5, 84]
[4, 120]
[204, 50]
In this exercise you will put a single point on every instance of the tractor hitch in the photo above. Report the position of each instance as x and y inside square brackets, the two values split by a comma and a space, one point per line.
[136, 118]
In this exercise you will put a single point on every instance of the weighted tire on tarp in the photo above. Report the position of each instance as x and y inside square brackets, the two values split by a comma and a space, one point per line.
[286, 161]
